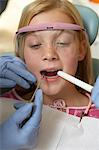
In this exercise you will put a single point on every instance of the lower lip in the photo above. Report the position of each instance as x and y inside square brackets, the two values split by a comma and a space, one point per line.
[51, 79]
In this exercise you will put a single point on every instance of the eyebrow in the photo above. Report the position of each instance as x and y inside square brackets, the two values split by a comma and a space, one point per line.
[72, 32]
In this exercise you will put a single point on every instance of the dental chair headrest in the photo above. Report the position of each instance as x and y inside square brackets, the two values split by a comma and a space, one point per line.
[91, 21]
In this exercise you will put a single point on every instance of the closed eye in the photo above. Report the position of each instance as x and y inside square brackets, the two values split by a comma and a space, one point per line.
[63, 43]
[35, 46]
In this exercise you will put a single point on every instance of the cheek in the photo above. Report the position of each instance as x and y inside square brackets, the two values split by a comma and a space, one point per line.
[30, 61]
[71, 63]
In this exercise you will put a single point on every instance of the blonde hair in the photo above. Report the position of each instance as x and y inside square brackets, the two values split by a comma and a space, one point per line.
[84, 70]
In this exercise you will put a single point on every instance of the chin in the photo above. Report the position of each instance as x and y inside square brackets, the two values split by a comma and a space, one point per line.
[51, 91]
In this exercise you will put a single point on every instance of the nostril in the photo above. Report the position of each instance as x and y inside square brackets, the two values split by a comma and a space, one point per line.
[50, 58]
[44, 58]
[53, 58]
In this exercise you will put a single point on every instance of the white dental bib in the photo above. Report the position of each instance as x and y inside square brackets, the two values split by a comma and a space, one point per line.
[60, 131]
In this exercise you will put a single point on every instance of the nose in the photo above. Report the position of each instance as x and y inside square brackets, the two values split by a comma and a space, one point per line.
[50, 54]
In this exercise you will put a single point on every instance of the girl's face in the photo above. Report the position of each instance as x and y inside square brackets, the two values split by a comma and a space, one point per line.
[46, 52]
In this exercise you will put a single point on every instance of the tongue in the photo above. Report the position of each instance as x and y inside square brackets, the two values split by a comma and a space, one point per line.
[51, 73]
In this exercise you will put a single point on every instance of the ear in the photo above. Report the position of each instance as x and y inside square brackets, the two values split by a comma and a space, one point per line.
[82, 50]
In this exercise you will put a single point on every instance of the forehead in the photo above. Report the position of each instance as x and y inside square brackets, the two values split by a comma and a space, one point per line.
[51, 16]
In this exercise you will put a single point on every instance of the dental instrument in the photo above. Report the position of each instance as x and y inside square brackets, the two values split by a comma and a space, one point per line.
[75, 81]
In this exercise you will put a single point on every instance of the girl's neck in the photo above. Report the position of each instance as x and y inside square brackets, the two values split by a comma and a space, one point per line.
[72, 98]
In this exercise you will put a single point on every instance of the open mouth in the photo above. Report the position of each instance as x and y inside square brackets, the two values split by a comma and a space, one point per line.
[49, 73]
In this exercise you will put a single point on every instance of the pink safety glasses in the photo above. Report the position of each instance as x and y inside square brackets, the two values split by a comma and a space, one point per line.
[49, 26]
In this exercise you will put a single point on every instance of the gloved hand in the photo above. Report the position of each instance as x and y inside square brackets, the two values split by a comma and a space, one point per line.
[95, 93]
[13, 71]
[15, 137]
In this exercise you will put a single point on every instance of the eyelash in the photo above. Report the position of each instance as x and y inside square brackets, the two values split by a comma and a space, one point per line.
[35, 46]
[63, 44]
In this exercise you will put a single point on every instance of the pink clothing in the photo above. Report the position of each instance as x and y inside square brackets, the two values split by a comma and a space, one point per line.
[76, 111]
[11, 94]
[60, 105]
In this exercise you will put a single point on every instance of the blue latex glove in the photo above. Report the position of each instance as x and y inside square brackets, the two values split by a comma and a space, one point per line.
[13, 71]
[14, 137]
[95, 93]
